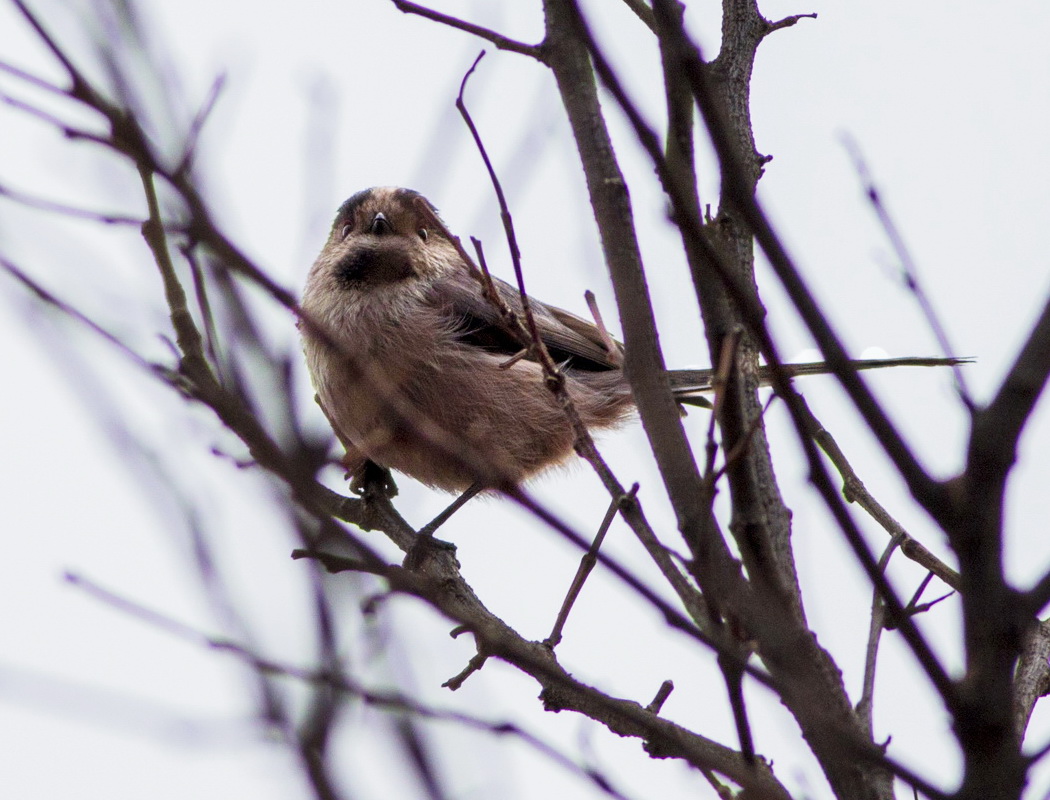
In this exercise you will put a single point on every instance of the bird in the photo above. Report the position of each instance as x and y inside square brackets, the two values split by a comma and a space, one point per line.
[417, 370]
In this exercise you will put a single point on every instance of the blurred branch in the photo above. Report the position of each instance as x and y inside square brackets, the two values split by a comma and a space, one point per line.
[197, 125]
[908, 266]
[52, 206]
[44, 295]
[31, 79]
[997, 428]
[339, 681]
[438, 582]
[997, 619]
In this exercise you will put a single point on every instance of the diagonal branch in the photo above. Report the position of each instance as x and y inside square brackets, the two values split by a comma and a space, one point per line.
[783, 386]
[854, 490]
[384, 699]
[997, 428]
[911, 275]
[739, 196]
[500, 41]
[628, 505]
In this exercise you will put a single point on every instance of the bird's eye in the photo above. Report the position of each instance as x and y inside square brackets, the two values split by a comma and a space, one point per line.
[346, 231]
[423, 234]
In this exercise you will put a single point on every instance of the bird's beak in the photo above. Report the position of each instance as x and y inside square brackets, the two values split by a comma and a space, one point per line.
[379, 225]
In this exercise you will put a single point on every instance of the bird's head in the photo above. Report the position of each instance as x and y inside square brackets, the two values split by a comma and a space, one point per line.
[384, 235]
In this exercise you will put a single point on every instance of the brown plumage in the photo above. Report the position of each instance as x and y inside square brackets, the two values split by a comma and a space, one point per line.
[410, 360]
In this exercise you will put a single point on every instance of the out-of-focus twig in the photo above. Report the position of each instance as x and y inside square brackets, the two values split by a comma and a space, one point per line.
[909, 269]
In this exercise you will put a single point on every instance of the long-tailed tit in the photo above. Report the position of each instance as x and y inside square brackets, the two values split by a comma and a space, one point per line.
[416, 371]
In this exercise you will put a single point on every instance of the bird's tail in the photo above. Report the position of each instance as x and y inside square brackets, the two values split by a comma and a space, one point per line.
[689, 384]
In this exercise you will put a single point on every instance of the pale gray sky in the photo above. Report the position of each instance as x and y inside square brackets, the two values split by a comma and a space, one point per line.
[950, 103]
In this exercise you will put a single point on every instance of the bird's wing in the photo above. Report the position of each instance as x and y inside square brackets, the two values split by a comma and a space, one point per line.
[570, 339]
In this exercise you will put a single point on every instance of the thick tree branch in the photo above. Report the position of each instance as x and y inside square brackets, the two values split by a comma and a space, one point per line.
[738, 171]
[754, 318]
[1032, 676]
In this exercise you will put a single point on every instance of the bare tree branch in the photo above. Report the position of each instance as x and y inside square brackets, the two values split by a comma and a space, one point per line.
[908, 266]
[500, 41]
[340, 682]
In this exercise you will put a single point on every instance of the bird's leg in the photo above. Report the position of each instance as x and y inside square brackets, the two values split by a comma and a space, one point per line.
[470, 493]
[425, 539]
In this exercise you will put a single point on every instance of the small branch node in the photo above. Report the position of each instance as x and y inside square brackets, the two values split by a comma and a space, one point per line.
[475, 664]
[661, 696]
[787, 22]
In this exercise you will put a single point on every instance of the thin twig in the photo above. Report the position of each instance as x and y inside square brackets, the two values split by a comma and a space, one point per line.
[67, 130]
[33, 80]
[80, 88]
[631, 511]
[726, 359]
[920, 482]
[741, 448]
[661, 697]
[875, 629]
[45, 295]
[788, 22]
[197, 125]
[500, 41]
[919, 591]
[394, 701]
[672, 616]
[724, 792]
[186, 332]
[554, 376]
[855, 491]
[909, 269]
[590, 558]
[475, 664]
[200, 289]
[43, 204]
